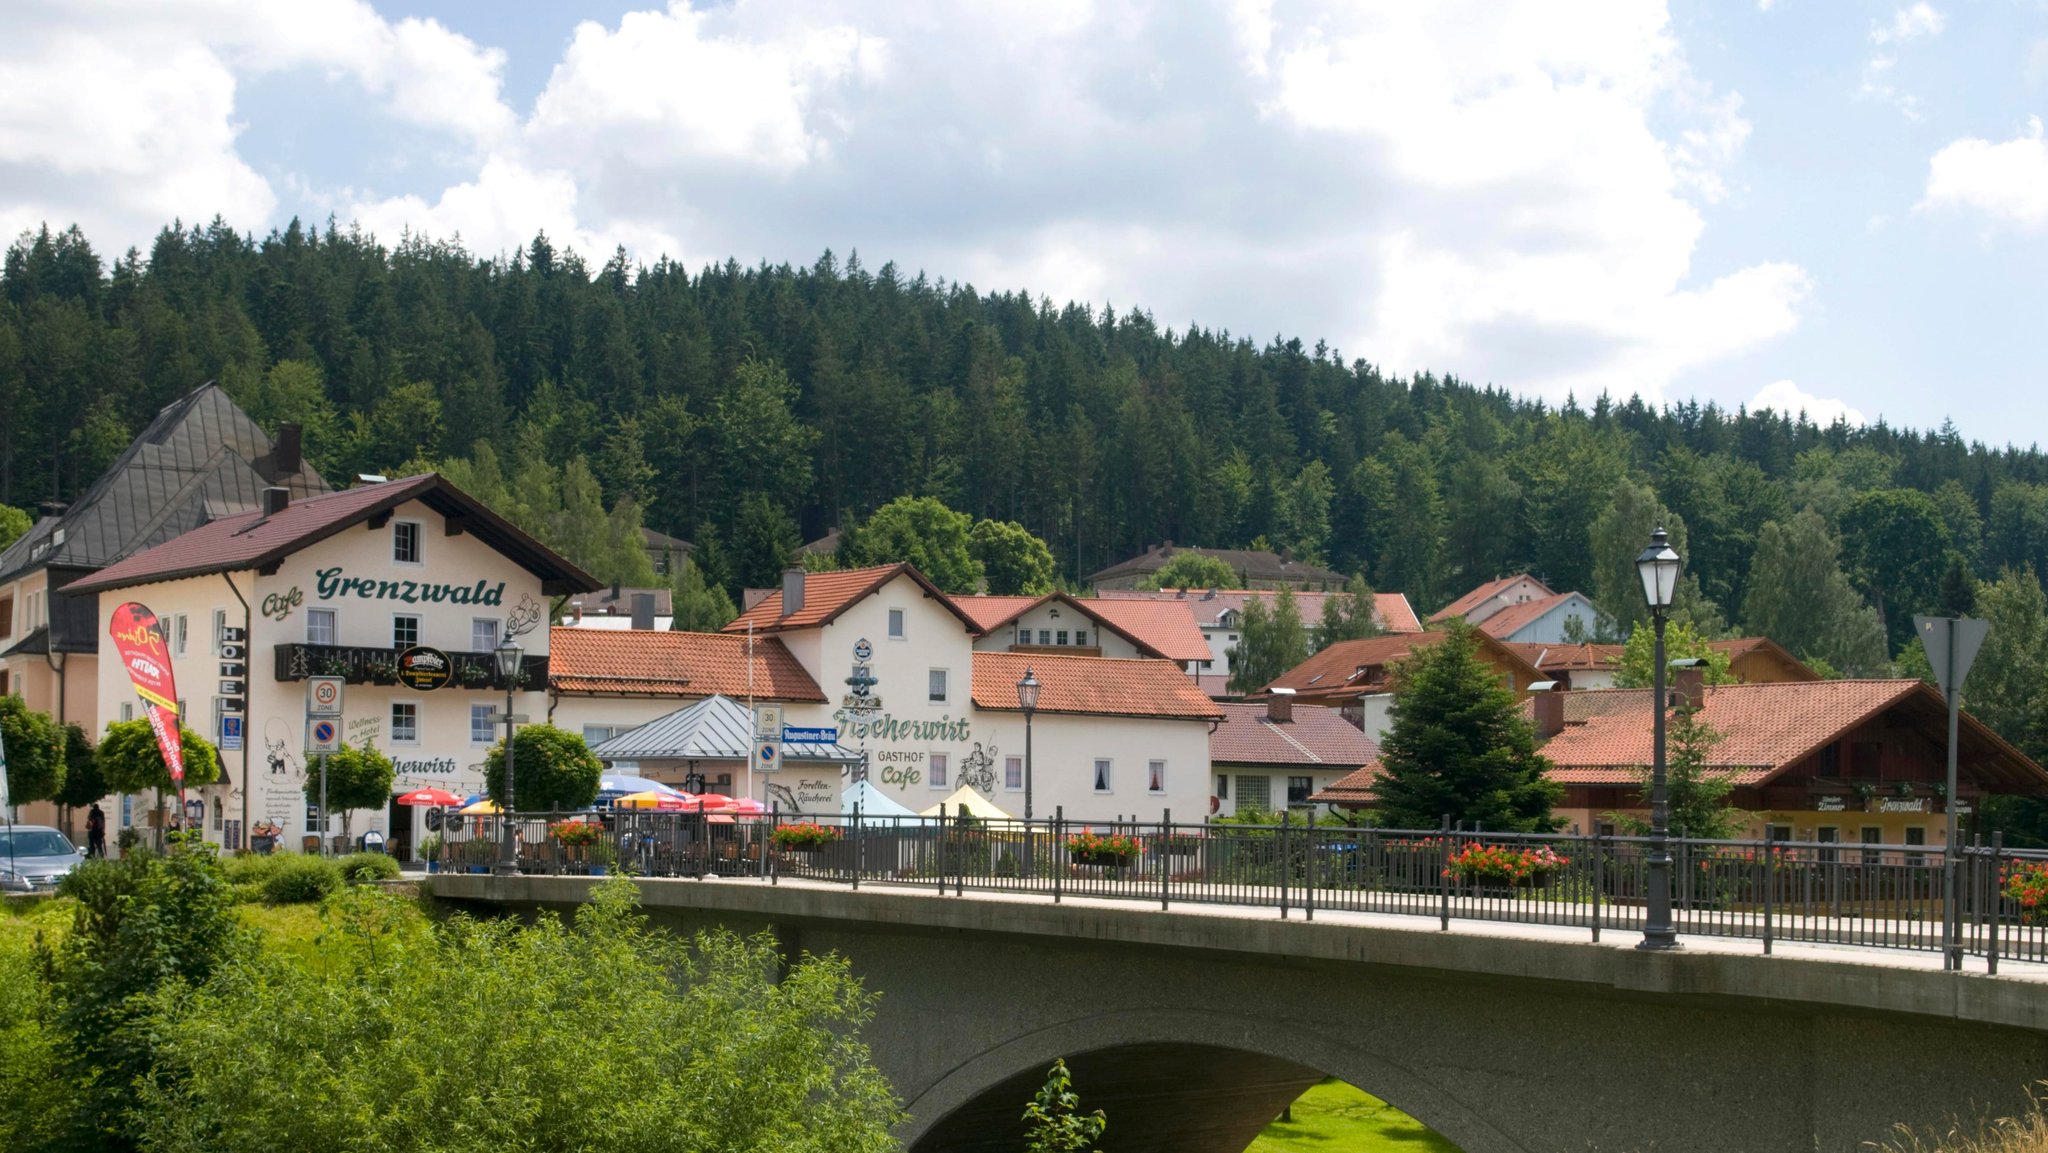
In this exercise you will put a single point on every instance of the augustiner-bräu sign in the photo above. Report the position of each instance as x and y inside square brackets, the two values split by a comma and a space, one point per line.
[331, 585]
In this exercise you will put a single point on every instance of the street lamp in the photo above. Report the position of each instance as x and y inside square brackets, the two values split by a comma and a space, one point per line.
[507, 656]
[1027, 699]
[1659, 566]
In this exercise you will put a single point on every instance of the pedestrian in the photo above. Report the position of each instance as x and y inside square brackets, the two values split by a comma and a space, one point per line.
[95, 832]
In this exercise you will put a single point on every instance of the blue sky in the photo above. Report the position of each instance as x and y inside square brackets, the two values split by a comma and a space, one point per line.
[1840, 205]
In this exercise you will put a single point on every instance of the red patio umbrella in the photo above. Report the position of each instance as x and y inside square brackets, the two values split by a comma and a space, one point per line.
[439, 798]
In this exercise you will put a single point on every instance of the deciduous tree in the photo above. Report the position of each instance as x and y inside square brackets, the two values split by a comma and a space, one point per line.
[358, 777]
[1013, 562]
[32, 746]
[554, 769]
[1191, 570]
[923, 531]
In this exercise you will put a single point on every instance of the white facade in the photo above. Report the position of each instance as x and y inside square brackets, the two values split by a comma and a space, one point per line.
[1549, 629]
[1057, 627]
[929, 737]
[347, 590]
[1245, 788]
[1518, 590]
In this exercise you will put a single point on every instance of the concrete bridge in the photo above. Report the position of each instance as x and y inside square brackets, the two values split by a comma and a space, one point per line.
[1192, 1028]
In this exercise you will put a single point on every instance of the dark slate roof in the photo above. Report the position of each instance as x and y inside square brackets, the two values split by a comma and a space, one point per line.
[201, 458]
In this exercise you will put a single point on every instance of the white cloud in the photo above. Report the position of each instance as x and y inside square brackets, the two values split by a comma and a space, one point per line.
[1787, 398]
[1910, 23]
[2007, 183]
[1511, 190]
[121, 115]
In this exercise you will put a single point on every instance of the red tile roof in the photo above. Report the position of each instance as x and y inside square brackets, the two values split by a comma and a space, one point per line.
[1159, 628]
[1481, 595]
[254, 540]
[992, 612]
[1513, 618]
[827, 594]
[1356, 788]
[1092, 686]
[1165, 627]
[1568, 658]
[1316, 736]
[1395, 614]
[642, 662]
[1353, 668]
[1764, 730]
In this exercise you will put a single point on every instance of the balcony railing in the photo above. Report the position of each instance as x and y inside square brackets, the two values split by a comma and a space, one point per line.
[362, 665]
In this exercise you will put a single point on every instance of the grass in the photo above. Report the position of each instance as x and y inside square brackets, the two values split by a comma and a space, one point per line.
[294, 930]
[1333, 1117]
[2026, 1133]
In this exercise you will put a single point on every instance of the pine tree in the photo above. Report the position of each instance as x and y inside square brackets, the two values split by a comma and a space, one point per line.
[1460, 747]
[1350, 615]
[1799, 597]
[700, 606]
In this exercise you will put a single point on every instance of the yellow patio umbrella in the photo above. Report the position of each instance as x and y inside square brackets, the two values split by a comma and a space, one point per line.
[656, 799]
[965, 799]
[481, 808]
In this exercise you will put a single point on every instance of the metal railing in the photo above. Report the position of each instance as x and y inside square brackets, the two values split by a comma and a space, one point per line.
[1881, 896]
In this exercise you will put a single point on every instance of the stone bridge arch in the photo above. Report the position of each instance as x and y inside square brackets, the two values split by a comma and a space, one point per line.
[1502, 1043]
[1172, 1080]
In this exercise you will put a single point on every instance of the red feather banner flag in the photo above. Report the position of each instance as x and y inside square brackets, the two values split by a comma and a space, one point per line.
[139, 637]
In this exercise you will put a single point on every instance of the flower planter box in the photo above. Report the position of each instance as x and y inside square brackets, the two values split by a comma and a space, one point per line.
[1106, 860]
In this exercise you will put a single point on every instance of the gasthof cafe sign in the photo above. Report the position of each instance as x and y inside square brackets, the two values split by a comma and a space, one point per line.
[331, 584]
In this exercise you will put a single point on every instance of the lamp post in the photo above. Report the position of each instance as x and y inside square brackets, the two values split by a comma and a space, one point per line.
[1027, 699]
[507, 656]
[1659, 566]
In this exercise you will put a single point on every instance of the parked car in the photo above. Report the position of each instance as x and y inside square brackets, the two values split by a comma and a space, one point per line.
[33, 858]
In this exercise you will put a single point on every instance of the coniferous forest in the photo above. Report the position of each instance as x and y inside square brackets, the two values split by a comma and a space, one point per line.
[750, 408]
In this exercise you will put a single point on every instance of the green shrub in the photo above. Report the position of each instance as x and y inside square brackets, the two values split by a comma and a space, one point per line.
[250, 868]
[363, 868]
[300, 881]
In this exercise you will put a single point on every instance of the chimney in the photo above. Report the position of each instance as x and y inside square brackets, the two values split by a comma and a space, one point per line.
[643, 610]
[1547, 697]
[792, 591]
[1688, 684]
[614, 607]
[576, 612]
[1280, 706]
[287, 452]
[275, 499]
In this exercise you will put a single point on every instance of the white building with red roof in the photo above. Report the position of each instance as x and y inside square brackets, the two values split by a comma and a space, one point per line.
[1276, 754]
[338, 584]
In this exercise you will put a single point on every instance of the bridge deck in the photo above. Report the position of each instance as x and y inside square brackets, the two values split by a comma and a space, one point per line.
[1624, 938]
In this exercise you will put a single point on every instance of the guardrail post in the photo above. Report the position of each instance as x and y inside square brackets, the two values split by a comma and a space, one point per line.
[959, 851]
[768, 845]
[1599, 878]
[1443, 875]
[1165, 852]
[1770, 864]
[1059, 872]
[1308, 870]
[1996, 883]
[1284, 814]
